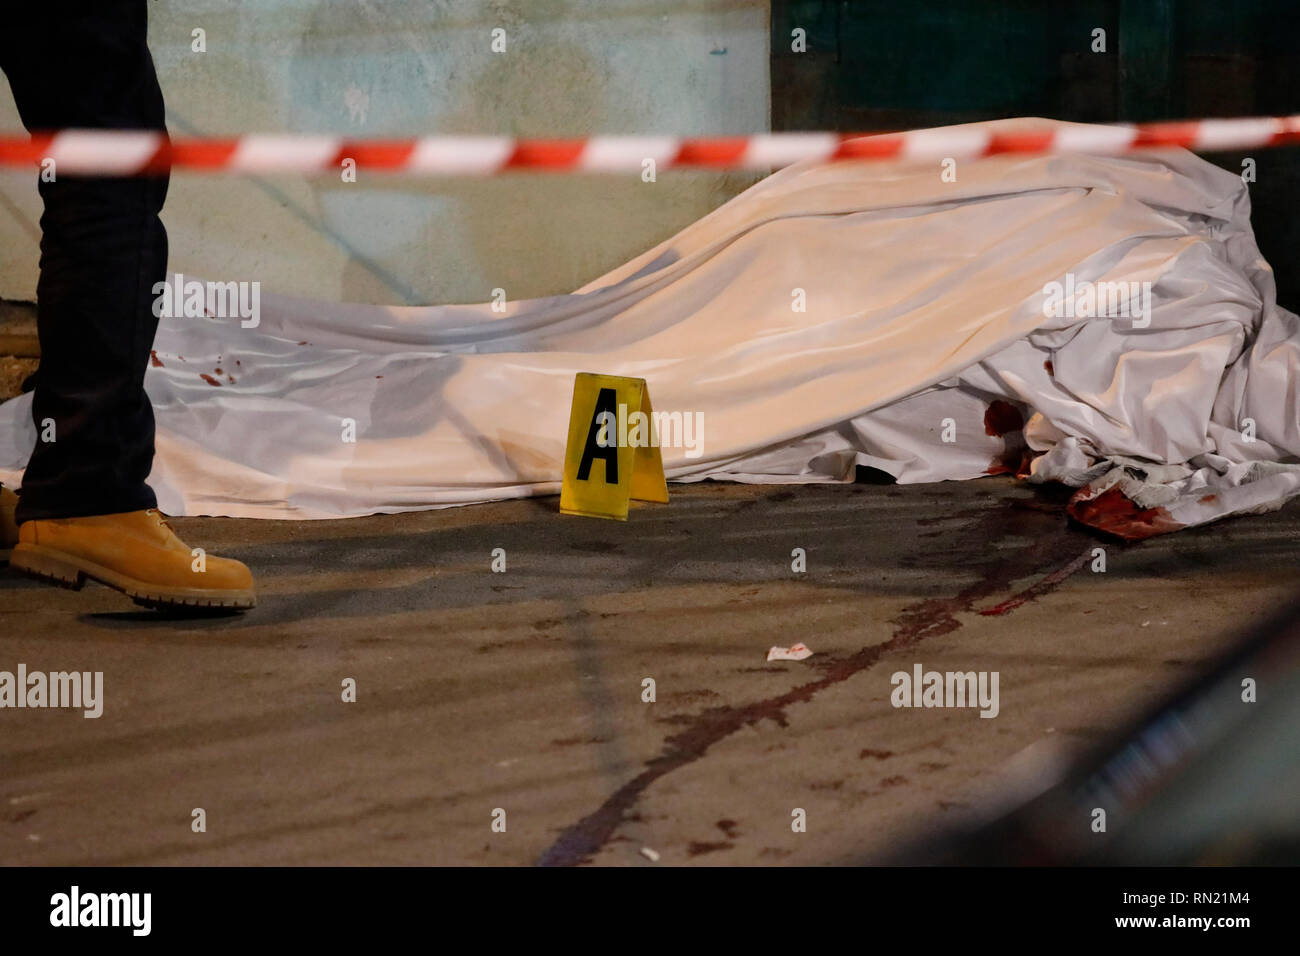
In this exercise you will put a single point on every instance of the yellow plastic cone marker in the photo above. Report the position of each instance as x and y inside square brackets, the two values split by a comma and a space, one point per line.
[611, 455]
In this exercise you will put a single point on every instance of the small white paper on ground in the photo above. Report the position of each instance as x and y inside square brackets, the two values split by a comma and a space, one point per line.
[796, 653]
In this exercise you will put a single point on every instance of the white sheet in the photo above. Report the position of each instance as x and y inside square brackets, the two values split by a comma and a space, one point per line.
[924, 303]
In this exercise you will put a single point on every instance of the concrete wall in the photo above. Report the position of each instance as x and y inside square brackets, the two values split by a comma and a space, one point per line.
[403, 67]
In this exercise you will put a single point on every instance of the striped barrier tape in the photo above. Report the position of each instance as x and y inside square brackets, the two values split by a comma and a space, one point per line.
[130, 153]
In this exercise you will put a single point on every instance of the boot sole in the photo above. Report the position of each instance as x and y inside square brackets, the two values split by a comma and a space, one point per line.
[69, 571]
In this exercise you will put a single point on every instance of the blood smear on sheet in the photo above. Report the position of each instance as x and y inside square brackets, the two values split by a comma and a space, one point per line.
[1113, 513]
[1002, 418]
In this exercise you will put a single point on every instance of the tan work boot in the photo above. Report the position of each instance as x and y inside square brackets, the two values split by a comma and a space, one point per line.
[135, 552]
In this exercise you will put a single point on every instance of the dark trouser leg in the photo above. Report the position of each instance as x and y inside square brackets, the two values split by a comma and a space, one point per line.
[85, 63]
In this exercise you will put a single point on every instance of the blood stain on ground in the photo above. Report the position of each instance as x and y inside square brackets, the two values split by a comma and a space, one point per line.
[209, 379]
[696, 848]
[927, 618]
[154, 360]
[1040, 587]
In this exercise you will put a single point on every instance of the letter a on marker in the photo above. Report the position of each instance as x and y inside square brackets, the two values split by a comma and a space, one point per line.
[600, 479]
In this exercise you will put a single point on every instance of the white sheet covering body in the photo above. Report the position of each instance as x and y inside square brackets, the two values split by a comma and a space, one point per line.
[921, 345]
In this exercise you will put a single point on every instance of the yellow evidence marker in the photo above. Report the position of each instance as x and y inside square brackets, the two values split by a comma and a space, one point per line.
[612, 454]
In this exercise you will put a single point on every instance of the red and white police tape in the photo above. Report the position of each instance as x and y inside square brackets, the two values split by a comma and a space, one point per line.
[129, 153]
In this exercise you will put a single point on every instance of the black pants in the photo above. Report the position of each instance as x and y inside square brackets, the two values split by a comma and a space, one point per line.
[85, 63]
